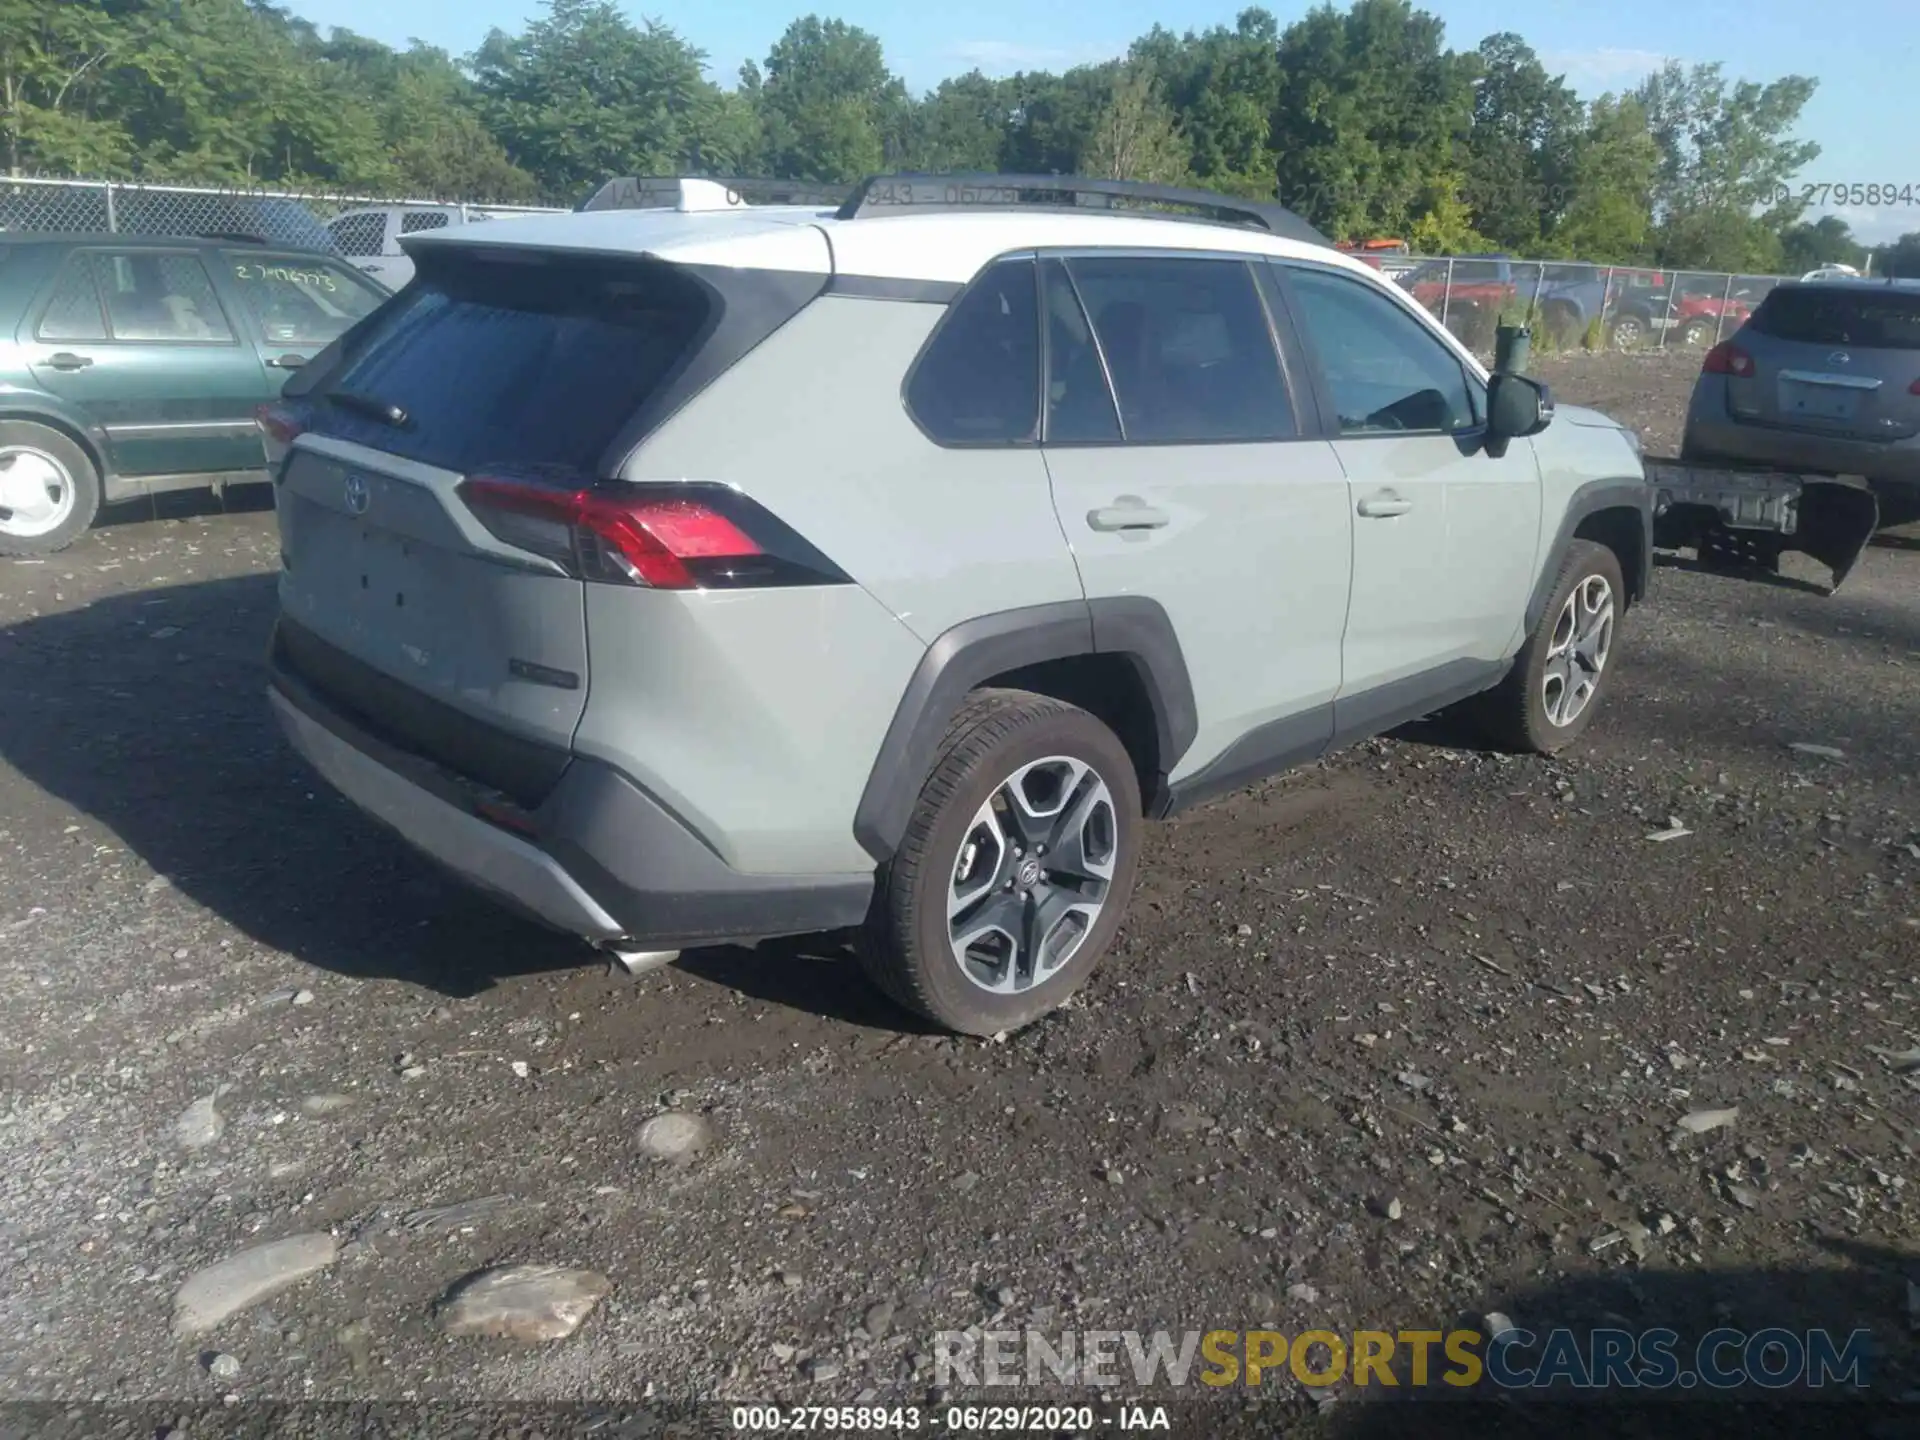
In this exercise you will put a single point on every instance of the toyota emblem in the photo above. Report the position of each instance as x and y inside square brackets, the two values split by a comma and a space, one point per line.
[358, 493]
[1839, 357]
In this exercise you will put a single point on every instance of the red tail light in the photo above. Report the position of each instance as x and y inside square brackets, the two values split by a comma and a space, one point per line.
[1914, 388]
[280, 425]
[1727, 358]
[663, 537]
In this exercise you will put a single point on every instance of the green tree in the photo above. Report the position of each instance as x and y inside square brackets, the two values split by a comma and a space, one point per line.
[55, 57]
[1052, 118]
[1725, 153]
[1372, 109]
[1525, 124]
[583, 95]
[1222, 85]
[1136, 136]
[830, 108]
[1609, 177]
[1807, 245]
[224, 91]
[1901, 258]
[962, 125]
[431, 123]
[1446, 227]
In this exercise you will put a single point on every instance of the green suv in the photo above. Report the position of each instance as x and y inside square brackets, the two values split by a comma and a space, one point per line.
[131, 365]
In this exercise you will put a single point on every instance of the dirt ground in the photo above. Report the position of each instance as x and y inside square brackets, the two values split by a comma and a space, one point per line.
[1418, 980]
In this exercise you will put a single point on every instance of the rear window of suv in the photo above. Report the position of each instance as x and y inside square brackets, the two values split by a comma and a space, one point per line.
[517, 361]
[1810, 315]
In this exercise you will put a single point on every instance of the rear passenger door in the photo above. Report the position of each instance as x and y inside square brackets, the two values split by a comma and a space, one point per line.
[136, 339]
[1445, 535]
[1204, 488]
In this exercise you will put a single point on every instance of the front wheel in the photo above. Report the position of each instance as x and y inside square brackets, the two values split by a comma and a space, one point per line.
[1011, 880]
[1559, 677]
[1697, 334]
[1629, 332]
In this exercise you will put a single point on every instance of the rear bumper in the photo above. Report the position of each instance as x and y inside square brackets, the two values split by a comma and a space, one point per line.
[1715, 436]
[599, 858]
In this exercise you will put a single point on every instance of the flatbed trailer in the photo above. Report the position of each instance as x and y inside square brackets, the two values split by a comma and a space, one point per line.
[1745, 519]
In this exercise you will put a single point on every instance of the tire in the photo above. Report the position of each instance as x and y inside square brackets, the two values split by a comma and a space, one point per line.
[1628, 332]
[1697, 334]
[38, 460]
[1518, 714]
[955, 843]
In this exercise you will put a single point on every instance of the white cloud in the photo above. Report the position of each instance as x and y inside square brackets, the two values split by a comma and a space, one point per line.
[1003, 57]
[1609, 68]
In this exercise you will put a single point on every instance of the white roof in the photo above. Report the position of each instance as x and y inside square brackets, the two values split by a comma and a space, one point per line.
[948, 246]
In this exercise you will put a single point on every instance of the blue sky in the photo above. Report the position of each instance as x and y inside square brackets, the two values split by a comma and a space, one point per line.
[1865, 57]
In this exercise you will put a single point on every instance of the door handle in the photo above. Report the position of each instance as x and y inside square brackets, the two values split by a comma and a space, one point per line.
[287, 362]
[67, 360]
[1128, 517]
[1384, 506]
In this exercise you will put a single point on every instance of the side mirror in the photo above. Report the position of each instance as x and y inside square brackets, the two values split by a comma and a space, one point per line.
[1517, 407]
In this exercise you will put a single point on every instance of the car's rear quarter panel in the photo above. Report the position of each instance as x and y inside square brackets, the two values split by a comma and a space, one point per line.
[759, 714]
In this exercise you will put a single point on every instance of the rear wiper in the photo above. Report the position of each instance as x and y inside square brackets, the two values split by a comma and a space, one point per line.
[371, 406]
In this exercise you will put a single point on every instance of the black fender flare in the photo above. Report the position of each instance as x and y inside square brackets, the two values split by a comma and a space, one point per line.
[1591, 498]
[974, 651]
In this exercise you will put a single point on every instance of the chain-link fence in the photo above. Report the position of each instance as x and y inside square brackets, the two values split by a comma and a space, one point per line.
[1568, 305]
[349, 224]
[1579, 306]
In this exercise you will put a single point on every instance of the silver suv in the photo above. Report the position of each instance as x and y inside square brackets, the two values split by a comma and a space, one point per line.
[716, 573]
[1824, 377]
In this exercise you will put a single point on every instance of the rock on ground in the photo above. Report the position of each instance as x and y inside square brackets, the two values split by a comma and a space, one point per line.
[528, 1303]
[229, 1286]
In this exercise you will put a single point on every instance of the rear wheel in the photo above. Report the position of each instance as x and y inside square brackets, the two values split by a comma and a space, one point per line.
[1011, 880]
[1558, 679]
[49, 489]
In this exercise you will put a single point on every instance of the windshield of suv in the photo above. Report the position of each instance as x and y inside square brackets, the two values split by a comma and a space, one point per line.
[1815, 315]
[515, 362]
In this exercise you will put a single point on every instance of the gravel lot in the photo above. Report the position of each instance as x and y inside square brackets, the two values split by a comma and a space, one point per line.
[1463, 989]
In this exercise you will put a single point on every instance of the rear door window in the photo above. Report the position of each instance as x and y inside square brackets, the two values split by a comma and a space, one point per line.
[1188, 347]
[300, 300]
[1079, 399]
[73, 310]
[1885, 320]
[517, 361]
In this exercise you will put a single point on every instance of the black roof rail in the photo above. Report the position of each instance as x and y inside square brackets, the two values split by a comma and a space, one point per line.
[641, 192]
[232, 237]
[878, 194]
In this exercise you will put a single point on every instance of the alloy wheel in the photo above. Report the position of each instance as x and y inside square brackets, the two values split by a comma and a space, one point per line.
[1577, 654]
[1032, 874]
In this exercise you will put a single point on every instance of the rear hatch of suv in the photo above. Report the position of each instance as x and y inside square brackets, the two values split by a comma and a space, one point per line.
[437, 503]
[1832, 359]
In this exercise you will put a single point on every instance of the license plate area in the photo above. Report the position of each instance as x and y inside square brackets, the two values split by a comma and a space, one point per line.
[398, 590]
[1832, 398]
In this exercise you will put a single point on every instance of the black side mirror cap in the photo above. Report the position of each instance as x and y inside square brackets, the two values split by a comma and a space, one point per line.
[1517, 407]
